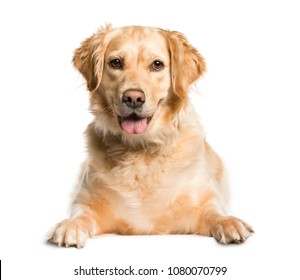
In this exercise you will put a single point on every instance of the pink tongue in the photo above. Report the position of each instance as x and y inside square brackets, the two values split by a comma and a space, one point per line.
[134, 126]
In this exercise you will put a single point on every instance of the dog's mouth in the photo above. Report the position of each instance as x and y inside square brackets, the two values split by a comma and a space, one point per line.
[134, 124]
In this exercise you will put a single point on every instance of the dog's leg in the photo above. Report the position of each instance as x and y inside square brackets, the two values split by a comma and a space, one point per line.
[82, 224]
[73, 231]
[225, 229]
[91, 215]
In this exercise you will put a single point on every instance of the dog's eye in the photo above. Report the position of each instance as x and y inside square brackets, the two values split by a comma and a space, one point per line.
[116, 63]
[157, 65]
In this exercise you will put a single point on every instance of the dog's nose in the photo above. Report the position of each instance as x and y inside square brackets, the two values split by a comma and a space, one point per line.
[133, 98]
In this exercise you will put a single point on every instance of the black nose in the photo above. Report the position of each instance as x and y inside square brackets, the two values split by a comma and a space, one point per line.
[133, 98]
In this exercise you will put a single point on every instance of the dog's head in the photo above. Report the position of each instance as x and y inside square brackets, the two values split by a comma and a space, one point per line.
[138, 78]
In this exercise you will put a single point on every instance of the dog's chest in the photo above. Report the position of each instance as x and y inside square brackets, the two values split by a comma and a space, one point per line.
[150, 192]
[148, 175]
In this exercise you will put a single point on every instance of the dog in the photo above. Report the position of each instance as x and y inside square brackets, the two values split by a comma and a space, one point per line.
[149, 169]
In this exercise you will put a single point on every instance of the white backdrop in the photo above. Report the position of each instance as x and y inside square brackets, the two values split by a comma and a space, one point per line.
[248, 104]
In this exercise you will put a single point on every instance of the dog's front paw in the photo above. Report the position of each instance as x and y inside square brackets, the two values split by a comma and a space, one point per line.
[230, 230]
[70, 232]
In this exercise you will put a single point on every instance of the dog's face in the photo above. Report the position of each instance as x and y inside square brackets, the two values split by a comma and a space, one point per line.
[138, 78]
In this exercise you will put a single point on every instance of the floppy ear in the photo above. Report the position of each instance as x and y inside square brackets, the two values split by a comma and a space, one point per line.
[89, 57]
[187, 65]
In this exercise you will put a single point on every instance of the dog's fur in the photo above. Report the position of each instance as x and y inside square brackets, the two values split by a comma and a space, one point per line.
[149, 168]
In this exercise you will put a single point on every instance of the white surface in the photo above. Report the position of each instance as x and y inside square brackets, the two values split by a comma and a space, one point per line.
[249, 106]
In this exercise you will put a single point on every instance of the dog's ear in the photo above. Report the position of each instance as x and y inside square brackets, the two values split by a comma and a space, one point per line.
[187, 65]
[89, 57]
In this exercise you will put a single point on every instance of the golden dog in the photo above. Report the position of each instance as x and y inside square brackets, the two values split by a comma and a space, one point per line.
[149, 169]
